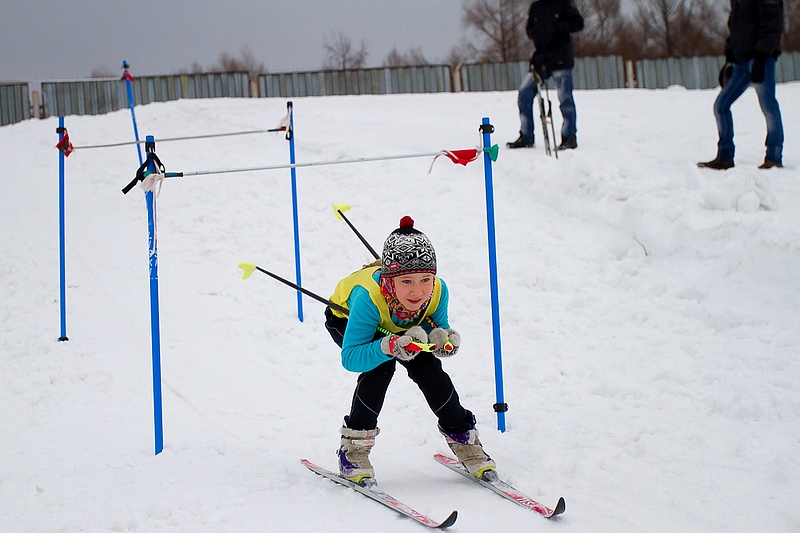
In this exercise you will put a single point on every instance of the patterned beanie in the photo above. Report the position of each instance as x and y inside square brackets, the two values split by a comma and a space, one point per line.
[407, 251]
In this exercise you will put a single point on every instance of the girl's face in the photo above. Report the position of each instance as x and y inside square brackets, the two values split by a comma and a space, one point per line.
[413, 290]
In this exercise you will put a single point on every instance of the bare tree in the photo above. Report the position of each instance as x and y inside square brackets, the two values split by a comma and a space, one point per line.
[791, 36]
[460, 54]
[253, 67]
[500, 25]
[247, 63]
[708, 33]
[103, 72]
[604, 26]
[674, 28]
[414, 57]
[341, 55]
[196, 68]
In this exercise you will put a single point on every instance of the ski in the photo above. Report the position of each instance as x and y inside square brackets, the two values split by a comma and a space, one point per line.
[491, 481]
[371, 490]
[547, 118]
[543, 116]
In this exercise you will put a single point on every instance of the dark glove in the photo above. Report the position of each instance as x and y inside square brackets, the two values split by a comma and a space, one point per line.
[540, 71]
[447, 341]
[758, 70]
[729, 55]
[725, 74]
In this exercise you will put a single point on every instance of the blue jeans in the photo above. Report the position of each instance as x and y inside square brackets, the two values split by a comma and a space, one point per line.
[738, 84]
[527, 92]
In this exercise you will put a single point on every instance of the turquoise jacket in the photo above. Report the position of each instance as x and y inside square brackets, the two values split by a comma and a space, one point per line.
[360, 351]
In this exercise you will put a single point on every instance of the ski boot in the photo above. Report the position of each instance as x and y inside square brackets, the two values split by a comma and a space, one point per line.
[354, 453]
[467, 447]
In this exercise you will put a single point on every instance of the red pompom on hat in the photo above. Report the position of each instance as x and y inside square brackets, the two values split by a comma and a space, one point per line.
[407, 251]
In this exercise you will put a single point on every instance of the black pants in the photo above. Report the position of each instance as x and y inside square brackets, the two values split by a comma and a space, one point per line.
[425, 370]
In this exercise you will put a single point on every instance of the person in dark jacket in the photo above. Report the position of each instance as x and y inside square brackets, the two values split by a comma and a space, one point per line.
[550, 23]
[751, 49]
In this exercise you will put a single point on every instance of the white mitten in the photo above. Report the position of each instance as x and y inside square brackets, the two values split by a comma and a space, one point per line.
[404, 347]
[447, 341]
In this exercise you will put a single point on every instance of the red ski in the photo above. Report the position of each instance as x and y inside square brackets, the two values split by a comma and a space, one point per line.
[370, 489]
[491, 481]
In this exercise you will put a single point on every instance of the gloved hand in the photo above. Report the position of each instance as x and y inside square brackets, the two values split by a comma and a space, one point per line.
[398, 345]
[729, 53]
[725, 74]
[447, 341]
[758, 70]
[541, 72]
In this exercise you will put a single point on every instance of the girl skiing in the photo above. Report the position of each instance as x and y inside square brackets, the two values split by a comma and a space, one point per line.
[398, 314]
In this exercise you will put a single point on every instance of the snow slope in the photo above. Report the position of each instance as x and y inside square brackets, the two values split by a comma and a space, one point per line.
[650, 319]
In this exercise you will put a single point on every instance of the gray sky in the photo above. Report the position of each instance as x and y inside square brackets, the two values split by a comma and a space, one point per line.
[50, 39]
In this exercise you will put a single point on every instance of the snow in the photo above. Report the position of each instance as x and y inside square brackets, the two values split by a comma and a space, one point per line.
[650, 318]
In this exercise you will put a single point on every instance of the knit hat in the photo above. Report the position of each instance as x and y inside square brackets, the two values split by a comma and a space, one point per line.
[407, 251]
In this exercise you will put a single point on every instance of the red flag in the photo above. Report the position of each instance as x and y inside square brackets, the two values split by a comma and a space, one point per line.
[461, 157]
[65, 145]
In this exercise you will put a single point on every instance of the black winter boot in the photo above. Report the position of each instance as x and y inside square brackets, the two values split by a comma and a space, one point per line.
[717, 164]
[770, 164]
[522, 142]
[570, 143]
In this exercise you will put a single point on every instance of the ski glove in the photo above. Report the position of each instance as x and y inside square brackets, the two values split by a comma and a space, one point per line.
[541, 72]
[758, 70]
[447, 341]
[398, 345]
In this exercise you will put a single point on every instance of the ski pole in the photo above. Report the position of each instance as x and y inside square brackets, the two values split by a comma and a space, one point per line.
[543, 115]
[550, 117]
[339, 210]
[128, 80]
[249, 268]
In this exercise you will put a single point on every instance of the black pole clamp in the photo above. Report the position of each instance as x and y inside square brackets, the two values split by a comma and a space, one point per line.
[486, 128]
[151, 156]
[500, 407]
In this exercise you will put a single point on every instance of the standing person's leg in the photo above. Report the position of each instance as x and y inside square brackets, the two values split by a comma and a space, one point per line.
[569, 127]
[455, 423]
[772, 114]
[525, 96]
[738, 84]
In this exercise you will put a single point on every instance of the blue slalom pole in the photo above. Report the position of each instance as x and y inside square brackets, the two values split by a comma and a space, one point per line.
[500, 407]
[150, 146]
[61, 232]
[290, 136]
[128, 77]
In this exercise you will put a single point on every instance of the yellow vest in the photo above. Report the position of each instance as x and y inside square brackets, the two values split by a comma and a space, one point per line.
[363, 278]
